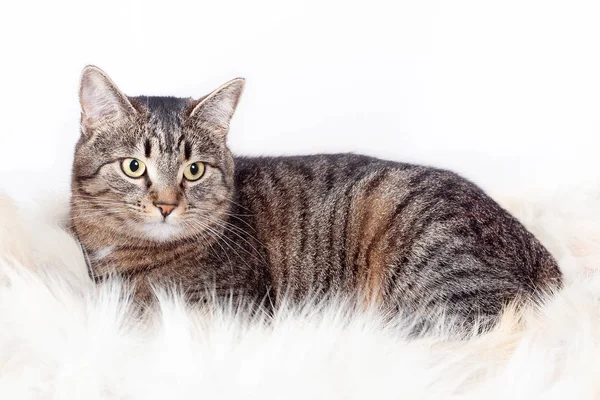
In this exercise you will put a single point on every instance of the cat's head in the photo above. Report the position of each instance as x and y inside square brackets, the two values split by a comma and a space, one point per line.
[152, 168]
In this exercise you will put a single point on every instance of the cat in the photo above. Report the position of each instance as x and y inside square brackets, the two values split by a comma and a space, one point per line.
[158, 198]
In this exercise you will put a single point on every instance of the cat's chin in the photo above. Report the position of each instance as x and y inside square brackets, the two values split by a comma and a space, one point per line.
[160, 231]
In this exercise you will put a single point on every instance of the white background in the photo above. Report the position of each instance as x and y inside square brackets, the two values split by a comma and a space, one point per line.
[505, 92]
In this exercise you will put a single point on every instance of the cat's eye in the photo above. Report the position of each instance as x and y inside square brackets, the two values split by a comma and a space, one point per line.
[133, 167]
[194, 171]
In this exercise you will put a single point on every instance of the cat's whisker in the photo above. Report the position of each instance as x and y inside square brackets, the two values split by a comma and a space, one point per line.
[236, 216]
[224, 237]
[201, 235]
[235, 230]
[230, 200]
[227, 242]
[205, 214]
[216, 238]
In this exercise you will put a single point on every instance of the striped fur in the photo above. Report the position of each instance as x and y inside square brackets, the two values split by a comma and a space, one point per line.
[411, 238]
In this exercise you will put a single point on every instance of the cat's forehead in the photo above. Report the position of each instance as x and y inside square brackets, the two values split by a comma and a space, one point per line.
[162, 106]
[162, 116]
[163, 120]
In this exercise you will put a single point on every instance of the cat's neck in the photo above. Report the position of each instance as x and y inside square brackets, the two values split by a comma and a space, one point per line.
[108, 255]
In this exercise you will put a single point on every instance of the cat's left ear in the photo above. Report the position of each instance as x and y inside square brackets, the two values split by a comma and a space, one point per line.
[215, 111]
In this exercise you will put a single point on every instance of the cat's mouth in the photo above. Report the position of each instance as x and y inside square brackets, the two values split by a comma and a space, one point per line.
[162, 230]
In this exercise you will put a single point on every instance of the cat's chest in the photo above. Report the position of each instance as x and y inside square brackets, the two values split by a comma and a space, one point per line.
[189, 267]
[132, 260]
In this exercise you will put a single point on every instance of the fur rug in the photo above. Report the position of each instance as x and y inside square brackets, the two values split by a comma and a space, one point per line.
[62, 337]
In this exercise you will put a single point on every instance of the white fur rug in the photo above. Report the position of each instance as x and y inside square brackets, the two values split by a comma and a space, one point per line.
[61, 337]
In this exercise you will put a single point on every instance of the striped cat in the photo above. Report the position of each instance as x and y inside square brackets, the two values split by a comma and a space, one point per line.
[158, 198]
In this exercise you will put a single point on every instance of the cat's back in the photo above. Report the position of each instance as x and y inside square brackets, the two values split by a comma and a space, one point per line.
[326, 173]
[346, 221]
[282, 184]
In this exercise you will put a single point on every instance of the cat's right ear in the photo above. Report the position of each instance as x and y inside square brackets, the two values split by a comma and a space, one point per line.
[101, 101]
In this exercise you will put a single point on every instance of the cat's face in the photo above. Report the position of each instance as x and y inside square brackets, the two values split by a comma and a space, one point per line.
[152, 168]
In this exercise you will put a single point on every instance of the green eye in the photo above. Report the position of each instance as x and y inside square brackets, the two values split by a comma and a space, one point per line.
[194, 171]
[133, 167]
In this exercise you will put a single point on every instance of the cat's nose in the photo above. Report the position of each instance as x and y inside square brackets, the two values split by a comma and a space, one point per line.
[165, 208]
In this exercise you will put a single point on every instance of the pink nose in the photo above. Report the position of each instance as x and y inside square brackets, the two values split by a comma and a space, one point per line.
[165, 208]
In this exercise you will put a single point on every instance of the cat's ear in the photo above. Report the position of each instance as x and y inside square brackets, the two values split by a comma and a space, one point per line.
[101, 101]
[216, 110]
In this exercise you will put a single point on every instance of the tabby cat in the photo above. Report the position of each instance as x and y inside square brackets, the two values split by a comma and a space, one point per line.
[158, 198]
